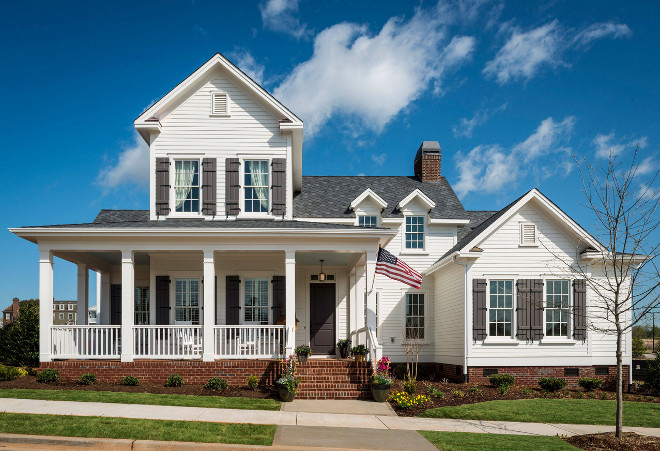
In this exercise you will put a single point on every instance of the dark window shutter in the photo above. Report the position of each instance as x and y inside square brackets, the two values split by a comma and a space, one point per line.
[279, 186]
[536, 320]
[523, 309]
[580, 309]
[233, 301]
[279, 298]
[115, 304]
[162, 186]
[162, 300]
[232, 186]
[479, 309]
[209, 186]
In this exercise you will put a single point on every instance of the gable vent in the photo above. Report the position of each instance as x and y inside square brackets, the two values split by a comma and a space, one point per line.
[220, 104]
[527, 234]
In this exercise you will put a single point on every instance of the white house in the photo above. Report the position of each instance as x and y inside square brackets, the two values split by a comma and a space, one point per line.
[240, 258]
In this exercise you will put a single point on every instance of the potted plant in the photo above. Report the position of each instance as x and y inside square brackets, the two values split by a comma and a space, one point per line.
[359, 352]
[303, 351]
[382, 381]
[287, 384]
[344, 346]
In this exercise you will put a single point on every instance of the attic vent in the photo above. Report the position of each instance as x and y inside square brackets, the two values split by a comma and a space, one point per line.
[527, 234]
[219, 104]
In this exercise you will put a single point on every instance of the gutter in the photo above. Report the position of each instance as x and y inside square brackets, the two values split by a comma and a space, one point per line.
[466, 325]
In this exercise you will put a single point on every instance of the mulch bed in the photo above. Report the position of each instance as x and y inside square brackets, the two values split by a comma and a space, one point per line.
[629, 442]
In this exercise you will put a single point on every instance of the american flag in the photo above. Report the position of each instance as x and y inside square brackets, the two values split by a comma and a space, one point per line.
[395, 268]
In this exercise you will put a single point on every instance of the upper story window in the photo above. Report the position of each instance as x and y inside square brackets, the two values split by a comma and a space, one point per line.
[70, 306]
[557, 300]
[187, 186]
[527, 234]
[500, 308]
[414, 232]
[415, 316]
[367, 221]
[256, 186]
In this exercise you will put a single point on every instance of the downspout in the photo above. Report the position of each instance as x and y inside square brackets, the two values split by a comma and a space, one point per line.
[465, 332]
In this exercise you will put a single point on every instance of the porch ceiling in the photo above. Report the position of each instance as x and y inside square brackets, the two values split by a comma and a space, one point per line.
[329, 258]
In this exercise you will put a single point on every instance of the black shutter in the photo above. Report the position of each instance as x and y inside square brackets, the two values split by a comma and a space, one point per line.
[233, 302]
[279, 298]
[209, 186]
[162, 186]
[162, 300]
[232, 186]
[279, 186]
[479, 309]
[536, 319]
[115, 304]
[523, 309]
[580, 309]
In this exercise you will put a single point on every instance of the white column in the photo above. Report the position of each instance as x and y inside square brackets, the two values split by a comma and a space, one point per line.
[127, 305]
[290, 265]
[105, 300]
[209, 307]
[351, 309]
[83, 293]
[361, 289]
[371, 292]
[45, 303]
[98, 297]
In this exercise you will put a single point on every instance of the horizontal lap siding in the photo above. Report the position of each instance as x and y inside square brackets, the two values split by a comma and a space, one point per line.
[449, 314]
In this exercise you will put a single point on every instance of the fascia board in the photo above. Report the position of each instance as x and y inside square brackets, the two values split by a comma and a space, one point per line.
[416, 193]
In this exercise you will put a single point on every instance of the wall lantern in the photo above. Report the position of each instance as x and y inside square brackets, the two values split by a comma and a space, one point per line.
[322, 276]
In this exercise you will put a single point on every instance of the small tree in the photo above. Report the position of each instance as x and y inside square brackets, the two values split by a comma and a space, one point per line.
[19, 340]
[412, 344]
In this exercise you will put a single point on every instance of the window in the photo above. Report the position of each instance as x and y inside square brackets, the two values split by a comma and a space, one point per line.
[490, 371]
[571, 372]
[414, 232]
[602, 371]
[219, 104]
[367, 221]
[186, 186]
[256, 301]
[61, 306]
[556, 308]
[141, 311]
[527, 234]
[186, 300]
[70, 306]
[256, 186]
[500, 308]
[415, 315]
[70, 315]
[61, 315]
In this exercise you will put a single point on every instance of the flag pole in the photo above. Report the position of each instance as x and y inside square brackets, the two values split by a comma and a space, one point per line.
[374, 279]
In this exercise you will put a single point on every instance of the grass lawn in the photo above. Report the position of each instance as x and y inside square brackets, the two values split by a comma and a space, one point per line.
[470, 441]
[143, 398]
[101, 427]
[576, 411]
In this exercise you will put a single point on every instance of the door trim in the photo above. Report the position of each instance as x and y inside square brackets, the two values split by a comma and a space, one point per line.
[309, 316]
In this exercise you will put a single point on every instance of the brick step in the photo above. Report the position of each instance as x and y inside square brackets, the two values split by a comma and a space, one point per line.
[343, 394]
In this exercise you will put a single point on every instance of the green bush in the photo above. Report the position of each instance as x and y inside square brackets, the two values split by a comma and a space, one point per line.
[130, 380]
[590, 383]
[87, 379]
[501, 380]
[410, 386]
[504, 389]
[638, 348]
[48, 375]
[215, 383]
[174, 380]
[19, 340]
[8, 373]
[552, 384]
[432, 391]
[252, 382]
[652, 378]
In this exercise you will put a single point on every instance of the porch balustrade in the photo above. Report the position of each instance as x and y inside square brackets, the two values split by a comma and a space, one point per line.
[257, 342]
[85, 342]
[167, 342]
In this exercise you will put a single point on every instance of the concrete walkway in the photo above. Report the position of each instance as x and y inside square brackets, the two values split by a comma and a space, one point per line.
[284, 418]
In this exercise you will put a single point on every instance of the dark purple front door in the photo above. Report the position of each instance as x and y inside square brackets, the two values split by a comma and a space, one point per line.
[322, 318]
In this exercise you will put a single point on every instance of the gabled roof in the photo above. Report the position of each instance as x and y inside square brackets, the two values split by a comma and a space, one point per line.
[367, 193]
[416, 194]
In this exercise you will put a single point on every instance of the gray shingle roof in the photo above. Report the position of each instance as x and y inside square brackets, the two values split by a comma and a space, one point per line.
[330, 196]
[476, 217]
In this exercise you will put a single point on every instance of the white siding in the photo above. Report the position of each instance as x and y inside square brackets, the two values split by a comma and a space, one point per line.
[450, 314]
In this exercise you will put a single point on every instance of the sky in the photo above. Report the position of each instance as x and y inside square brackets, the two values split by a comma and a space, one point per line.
[512, 91]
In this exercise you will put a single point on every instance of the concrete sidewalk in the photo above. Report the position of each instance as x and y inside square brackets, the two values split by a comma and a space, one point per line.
[284, 418]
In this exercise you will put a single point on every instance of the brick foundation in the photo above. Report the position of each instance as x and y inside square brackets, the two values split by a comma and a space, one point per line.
[529, 375]
[452, 372]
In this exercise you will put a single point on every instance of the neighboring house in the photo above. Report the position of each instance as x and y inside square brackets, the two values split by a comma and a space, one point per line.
[10, 313]
[65, 313]
[240, 258]
[91, 315]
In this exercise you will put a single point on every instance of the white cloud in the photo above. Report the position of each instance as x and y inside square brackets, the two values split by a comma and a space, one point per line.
[466, 126]
[599, 31]
[648, 166]
[357, 75]
[489, 169]
[607, 145]
[246, 62]
[379, 159]
[280, 15]
[131, 167]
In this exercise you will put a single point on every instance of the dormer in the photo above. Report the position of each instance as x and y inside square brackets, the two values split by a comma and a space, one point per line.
[368, 208]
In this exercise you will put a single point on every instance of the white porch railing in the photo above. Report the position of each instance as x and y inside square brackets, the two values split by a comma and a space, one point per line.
[167, 342]
[89, 342]
[256, 342]
[365, 336]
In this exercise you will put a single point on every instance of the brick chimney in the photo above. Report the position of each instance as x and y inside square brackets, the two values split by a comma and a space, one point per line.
[427, 162]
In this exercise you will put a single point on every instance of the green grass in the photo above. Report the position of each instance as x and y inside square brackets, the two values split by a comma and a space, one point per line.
[575, 411]
[470, 441]
[101, 427]
[143, 398]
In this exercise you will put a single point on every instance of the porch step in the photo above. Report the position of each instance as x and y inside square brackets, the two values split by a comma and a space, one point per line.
[334, 379]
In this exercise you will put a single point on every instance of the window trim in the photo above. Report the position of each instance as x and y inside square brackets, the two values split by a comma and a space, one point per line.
[522, 243]
[200, 294]
[427, 331]
[172, 175]
[148, 311]
[364, 215]
[569, 323]
[227, 112]
[255, 275]
[406, 250]
[514, 320]
[241, 174]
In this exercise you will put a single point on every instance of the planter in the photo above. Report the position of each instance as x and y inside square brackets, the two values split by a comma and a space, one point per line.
[302, 358]
[285, 394]
[380, 392]
[343, 352]
[359, 357]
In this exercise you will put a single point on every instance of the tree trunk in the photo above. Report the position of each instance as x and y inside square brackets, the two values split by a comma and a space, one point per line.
[619, 386]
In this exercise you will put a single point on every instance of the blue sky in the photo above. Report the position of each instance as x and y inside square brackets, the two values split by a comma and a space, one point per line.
[511, 90]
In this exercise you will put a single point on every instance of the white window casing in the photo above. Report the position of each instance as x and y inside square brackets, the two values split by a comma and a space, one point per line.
[500, 305]
[367, 221]
[415, 316]
[414, 233]
[186, 188]
[556, 319]
[255, 193]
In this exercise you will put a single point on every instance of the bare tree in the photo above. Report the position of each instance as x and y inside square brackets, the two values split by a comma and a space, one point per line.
[412, 345]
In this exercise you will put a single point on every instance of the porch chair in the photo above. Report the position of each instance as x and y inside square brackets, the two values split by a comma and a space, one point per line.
[190, 342]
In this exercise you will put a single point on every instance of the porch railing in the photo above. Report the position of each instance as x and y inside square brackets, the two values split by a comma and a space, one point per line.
[257, 342]
[366, 336]
[89, 342]
[167, 342]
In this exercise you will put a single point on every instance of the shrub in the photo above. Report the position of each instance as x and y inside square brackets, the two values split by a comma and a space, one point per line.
[87, 379]
[500, 380]
[458, 393]
[652, 378]
[432, 391]
[410, 386]
[215, 383]
[48, 375]
[476, 390]
[527, 391]
[406, 401]
[8, 373]
[19, 340]
[590, 383]
[552, 384]
[22, 372]
[130, 380]
[504, 389]
[31, 371]
[174, 380]
[359, 350]
[252, 382]
[604, 396]
[638, 348]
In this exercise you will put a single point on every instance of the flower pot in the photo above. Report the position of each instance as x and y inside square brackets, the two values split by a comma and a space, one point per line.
[302, 358]
[285, 394]
[380, 392]
[359, 357]
[343, 352]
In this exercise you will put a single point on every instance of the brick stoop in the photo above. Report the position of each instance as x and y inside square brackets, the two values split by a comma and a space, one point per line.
[334, 379]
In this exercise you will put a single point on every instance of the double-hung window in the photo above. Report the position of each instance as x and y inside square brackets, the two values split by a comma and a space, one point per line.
[367, 221]
[255, 301]
[556, 308]
[500, 308]
[186, 300]
[256, 186]
[415, 232]
[415, 316]
[187, 186]
[141, 305]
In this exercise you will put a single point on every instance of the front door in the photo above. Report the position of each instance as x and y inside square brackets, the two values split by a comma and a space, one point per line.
[322, 318]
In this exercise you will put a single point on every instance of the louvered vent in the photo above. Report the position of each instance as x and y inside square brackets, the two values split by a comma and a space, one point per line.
[527, 234]
[219, 104]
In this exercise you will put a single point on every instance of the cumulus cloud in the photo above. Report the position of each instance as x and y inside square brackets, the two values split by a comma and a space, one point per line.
[491, 168]
[280, 15]
[466, 126]
[648, 166]
[379, 159]
[607, 145]
[130, 168]
[526, 53]
[244, 60]
[358, 75]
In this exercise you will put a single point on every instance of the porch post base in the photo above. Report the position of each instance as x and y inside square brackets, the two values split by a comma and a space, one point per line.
[208, 357]
[45, 358]
[126, 357]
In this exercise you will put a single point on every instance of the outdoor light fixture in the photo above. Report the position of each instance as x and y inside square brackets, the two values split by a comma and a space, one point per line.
[322, 274]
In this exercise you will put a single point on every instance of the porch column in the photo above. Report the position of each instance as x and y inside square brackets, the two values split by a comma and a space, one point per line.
[360, 290]
[83, 294]
[105, 300]
[127, 305]
[45, 303]
[208, 338]
[371, 292]
[351, 309]
[290, 273]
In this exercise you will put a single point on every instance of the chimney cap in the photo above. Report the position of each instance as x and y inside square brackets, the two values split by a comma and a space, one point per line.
[430, 147]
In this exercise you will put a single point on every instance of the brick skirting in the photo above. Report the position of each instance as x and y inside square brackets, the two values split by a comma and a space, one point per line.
[529, 375]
